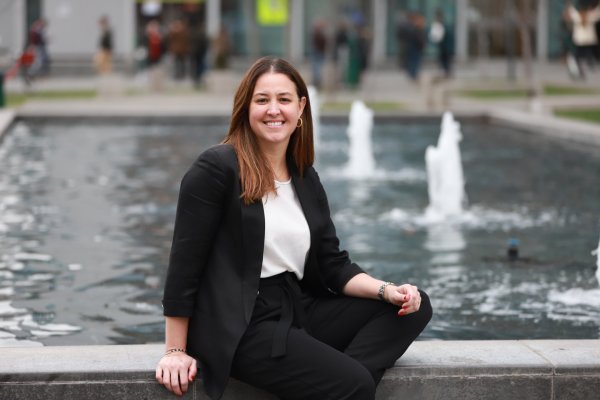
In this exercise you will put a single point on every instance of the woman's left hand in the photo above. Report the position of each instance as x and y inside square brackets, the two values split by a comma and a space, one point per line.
[406, 296]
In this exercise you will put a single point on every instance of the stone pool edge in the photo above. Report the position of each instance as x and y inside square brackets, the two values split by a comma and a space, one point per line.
[581, 132]
[453, 370]
[7, 116]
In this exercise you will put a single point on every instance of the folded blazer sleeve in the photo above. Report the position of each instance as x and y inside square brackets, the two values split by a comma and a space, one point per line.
[334, 264]
[199, 211]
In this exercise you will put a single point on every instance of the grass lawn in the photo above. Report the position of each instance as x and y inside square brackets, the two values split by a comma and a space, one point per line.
[17, 99]
[587, 114]
[373, 105]
[549, 90]
[494, 94]
[552, 90]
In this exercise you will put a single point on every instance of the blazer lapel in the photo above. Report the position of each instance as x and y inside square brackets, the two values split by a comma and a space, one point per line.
[306, 196]
[253, 236]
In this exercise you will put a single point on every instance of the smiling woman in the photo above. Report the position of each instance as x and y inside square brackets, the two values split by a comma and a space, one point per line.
[257, 286]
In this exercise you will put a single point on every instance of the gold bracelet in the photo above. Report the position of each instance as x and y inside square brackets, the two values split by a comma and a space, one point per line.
[174, 350]
[382, 290]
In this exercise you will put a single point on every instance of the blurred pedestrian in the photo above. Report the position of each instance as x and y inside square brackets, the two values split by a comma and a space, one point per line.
[25, 63]
[568, 46]
[340, 50]
[154, 53]
[38, 39]
[597, 26]
[154, 43]
[198, 50]
[353, 66]
[585, 40]
[103, 57]
[358, 44]
[222, 48]
[364, 41]
[319, 48]
[179, 47]
[441, 36]
[411, 36]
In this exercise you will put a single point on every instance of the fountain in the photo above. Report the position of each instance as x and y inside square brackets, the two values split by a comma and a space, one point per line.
[67, 233]
[315, 105]
[597, 254]
[444, 173]
[361, 163]
[578, 297]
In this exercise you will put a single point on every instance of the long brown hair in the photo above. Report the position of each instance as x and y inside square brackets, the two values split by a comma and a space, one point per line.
[256, 175]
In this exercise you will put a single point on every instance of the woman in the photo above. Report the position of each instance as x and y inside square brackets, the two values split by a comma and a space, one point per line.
[257, 287]
[103, 58]
[583, 35]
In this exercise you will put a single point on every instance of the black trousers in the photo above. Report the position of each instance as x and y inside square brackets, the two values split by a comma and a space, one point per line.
[336, 347]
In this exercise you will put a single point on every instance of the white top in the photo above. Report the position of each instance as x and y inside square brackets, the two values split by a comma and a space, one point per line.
[287, 237]
[584, 34]
[437, 31]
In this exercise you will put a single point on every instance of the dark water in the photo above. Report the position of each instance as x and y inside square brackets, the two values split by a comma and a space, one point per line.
[86, 214]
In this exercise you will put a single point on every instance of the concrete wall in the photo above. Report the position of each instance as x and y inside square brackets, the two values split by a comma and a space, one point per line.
[73, 26]
[450, 370]
[12, 26]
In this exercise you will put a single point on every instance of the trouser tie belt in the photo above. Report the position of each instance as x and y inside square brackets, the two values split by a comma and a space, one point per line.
[291, 311]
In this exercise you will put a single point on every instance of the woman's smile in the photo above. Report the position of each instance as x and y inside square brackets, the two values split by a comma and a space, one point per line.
[274, 124]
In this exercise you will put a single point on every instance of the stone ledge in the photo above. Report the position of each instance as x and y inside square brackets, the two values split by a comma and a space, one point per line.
[528, 369]
[7, 117]
[178, 109]
[586, 133]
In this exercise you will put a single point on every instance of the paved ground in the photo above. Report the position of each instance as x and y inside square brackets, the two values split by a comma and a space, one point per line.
[388, 90]
[131, 93]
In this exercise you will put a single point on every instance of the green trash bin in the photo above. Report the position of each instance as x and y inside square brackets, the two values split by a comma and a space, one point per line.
[5, 63]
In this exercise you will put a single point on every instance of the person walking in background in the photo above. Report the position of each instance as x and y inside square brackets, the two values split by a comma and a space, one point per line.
[364, 42]
[179, 43]
[441, 36]
[597, 26]
[103, 57]
[198, 50]
[357, 38]
[38, 38]
[355, 57]
[411, 35]
[26, 60]
[154, 53]
[341, 51]
[154, 43]
[583, 24]
[222, 49]
[319, 49]
[257, 287]
[573, 66]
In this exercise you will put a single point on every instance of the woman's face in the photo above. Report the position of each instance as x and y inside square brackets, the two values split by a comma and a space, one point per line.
[275, 109]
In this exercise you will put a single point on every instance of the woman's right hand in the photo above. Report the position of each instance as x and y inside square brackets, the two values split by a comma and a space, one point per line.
[176, 371]
[406, 296]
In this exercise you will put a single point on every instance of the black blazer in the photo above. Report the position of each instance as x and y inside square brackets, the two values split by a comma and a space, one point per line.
[216, 258]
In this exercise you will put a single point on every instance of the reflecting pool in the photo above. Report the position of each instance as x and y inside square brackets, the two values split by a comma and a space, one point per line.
[87, 209]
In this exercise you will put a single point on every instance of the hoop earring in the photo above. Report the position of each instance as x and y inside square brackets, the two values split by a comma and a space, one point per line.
[299, 123]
